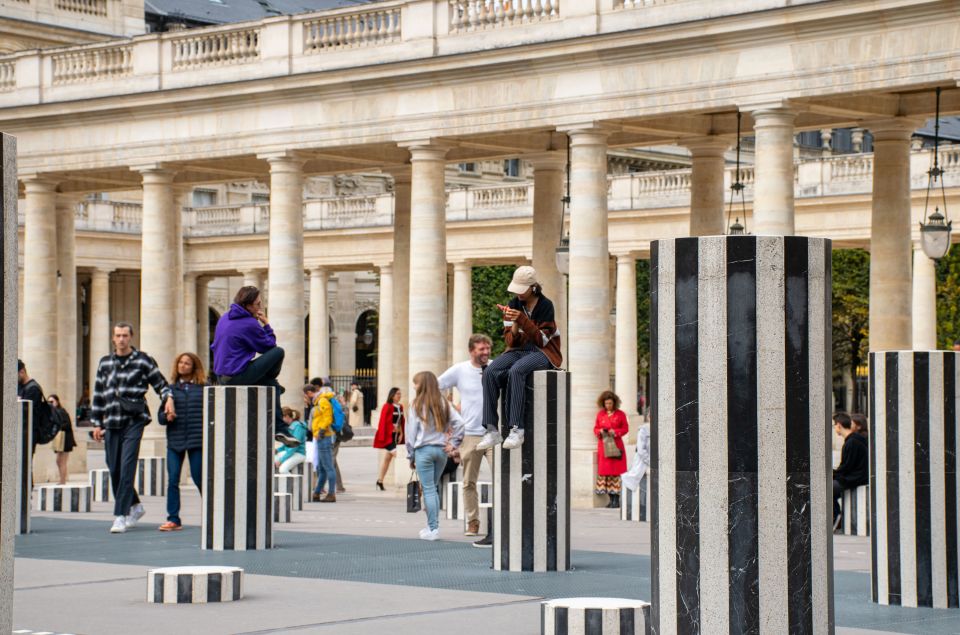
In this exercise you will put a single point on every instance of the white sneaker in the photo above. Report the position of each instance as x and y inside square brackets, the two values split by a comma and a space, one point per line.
[514, 439]
[424, 532]
[490, 439]
[119, 525]
[136, 513]
[430, 534]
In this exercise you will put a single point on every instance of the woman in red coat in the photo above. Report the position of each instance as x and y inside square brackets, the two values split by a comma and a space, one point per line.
[611, 421]
[389, 431]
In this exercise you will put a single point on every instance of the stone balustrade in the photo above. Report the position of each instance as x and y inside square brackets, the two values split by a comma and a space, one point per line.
[352, 29]
[8, 75]
[473, 15]
[85, 7]
[100, 62]
[216, 48]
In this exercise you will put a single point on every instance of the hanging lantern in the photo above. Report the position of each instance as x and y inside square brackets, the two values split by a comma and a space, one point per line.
[935, 233]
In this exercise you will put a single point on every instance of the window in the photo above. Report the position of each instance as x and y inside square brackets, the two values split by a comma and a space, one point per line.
[260, 199]
[204, 198]
[511, 167]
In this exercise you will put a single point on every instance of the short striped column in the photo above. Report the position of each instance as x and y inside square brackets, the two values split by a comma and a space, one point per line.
[151, 476]
[308, 479]
[595, 616]
[237, 468]
[740, 476]
[456, 508]
[290, 484]
[100, 485]
[282, 507]
[24, 465]
[855, 509]
[194, 585]
[445, 482]
[635, 503]
[63, 498]
[531, 485]
[913, 478]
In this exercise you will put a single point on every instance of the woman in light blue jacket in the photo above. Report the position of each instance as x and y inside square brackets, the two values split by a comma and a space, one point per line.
[434, 431]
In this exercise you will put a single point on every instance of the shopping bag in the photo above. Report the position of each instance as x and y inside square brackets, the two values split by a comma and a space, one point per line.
[414, 494]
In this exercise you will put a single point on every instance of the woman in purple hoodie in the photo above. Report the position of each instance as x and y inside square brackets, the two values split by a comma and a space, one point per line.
[241, 333]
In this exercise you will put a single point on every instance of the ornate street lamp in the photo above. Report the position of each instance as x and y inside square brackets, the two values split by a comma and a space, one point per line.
[935, 233]
[736, 229]
[563, 249]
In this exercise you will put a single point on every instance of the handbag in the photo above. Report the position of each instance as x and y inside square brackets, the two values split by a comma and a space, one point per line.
[610, 449]
[133, 407]
[414, 494]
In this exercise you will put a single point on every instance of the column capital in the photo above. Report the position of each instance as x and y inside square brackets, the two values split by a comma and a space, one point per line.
[708, 146]
[548, 161]
[462, 265]
[102, 271]
[893, 128]
[290, 162]
[318, 272]
[38, 183]
[769, 117]
[427, 149]
[592, 133]
[155, 174]
[624, 257]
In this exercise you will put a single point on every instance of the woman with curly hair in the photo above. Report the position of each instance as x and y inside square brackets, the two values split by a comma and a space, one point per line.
[611, 423]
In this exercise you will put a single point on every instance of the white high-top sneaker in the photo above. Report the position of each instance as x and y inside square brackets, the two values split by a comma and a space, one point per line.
[119, 525]
[490, 439]
[514, 439]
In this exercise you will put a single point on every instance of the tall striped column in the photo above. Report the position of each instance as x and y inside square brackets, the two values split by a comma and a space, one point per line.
[740, 476]
[24, 465]
[914, 402]
[237, 468]
[531, 485]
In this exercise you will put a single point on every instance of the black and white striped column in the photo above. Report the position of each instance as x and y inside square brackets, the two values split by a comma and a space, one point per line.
[24, 465]
[63, 498]
[151, 476]
[594, 616]
[308, 479]
[456, 508]
[100, 485]
[913, 478]
[282, 507]
[531, 485]
[855, 509]
[194, 585]
[290, 484]
[740, 474]
[237, 468]
[635, 503]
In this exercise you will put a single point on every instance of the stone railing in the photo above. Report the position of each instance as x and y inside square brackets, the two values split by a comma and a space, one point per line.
[80, 66]
[354, 29]
[474, 15]
[8, 75]
[216, 48]
[637, 4]
[345, 212]
[222, 220]
[86, 7]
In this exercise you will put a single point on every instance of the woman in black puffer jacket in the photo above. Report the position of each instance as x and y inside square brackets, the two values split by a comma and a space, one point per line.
[184, 431]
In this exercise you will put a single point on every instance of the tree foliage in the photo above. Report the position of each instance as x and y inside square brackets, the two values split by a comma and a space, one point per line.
[643, 318]
[851, 311]
[948, 299]
[489, 290]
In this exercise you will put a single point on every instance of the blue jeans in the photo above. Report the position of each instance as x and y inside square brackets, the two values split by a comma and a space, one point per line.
[326, 473]
[174, 466]
[430, 460]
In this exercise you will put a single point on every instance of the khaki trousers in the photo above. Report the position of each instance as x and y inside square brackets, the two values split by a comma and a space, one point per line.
[471, 459]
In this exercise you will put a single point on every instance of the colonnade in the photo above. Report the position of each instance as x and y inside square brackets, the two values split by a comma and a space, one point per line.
[416, 334]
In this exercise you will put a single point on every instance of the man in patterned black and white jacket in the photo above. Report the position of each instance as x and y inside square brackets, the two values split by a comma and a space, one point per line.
[120, 413]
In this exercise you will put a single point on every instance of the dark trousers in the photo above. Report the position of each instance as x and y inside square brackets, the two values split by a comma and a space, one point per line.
[509, 371]
[174, 467]
[837, 495]
[122, 448]
[263, 371]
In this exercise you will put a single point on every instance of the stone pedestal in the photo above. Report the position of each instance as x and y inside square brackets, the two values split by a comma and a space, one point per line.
[913, 478]
[290, 484]
[71, 497]
[855, 509]
[194, 585]
[100, 485]
[282, 507]
[151, 476]
[594, 616]
[237, 468]
[24, 465]
[635, 503]
[739, 445]
[531, 485]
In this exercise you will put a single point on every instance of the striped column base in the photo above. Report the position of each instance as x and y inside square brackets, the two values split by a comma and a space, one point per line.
[100, 485]
[194, 585]
[531, 485]
[309, 480]
[63, 498]
[635, 503]
[455, 505]
[855, 508]
[282, 507]
[290, 484]
[594, 616]
[151, 476]
[485, 517]
[24, 465]
[914, 533]
[445, 482]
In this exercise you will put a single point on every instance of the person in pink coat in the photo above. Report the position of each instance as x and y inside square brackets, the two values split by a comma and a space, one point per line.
[611, 421]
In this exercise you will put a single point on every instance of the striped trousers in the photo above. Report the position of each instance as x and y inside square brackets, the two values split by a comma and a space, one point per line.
[509, 371]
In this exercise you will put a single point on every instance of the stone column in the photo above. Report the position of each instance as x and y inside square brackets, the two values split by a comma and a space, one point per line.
[252, 278]
[773, 188]
[319, 365]
[203, 322]
[626, 349]
[428, 262]
[387, 336]
[589, 315]
[890, 245]
[100, 331]
[286, 269]
[40, 352]
[462, 310]
[401, 278]
[345, 324]
[189, 338]
[548, 180]
[924, 301]
[706, 186]
[67, 369]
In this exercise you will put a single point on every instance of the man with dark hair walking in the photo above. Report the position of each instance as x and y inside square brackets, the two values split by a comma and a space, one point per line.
[854, 468]
[120, 414]
[29, 390]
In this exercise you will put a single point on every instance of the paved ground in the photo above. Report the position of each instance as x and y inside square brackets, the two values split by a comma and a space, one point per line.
[356, 567]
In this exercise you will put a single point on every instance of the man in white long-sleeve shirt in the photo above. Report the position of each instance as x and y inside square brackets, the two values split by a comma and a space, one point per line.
[466, 378]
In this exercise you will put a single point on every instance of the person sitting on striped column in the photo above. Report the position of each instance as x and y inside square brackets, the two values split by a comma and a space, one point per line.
[288, 458]
[854, 468]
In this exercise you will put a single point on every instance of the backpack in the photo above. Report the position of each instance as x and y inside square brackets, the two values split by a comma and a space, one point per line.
[346, 433]
[339, 418]
[47, 421]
